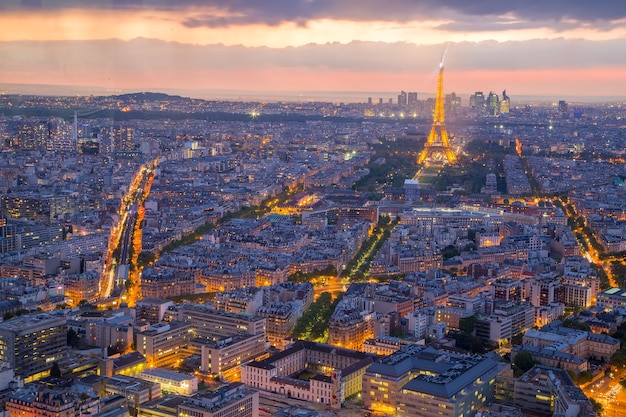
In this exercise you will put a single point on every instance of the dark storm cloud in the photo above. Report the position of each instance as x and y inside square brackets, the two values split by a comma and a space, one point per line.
[301, 11]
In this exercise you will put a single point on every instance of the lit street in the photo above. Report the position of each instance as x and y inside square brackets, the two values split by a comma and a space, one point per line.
[122, 238]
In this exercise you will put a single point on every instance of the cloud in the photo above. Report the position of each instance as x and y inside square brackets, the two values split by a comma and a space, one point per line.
[220, 13]
[524, 67]
[507, 23]
[115, 56]
[552, 12]
[580, 10]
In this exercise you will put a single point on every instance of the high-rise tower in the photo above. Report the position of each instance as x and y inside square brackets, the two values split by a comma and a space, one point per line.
[437, 145]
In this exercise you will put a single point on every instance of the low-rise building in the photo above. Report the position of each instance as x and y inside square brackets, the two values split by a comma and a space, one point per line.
[208, 323]
[281, 319]
[612, 298]
[337, 373]
[163, 344]
[386, 345]
[45, 401]
[350, 326]
[225, 356]
[136, 391]
[232, 400]
[172, 382]
[130, 364]
[553, 358]
[421, 381]
[586, 345]
[551, 391]
[465, 387]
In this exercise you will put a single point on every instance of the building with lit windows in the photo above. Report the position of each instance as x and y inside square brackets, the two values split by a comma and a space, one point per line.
[170, 381]
[223, 357]
[421, 381]
[131, 364]
[22, 235]
[242, 300]
[234, 400]
[80, 287]
[383, 380]
[584, 344]
[166, 282]
[122, 138]
[33, 134]
[507, 289]
[450, 316]
[152, 310]
[163, 344]
[545, 315]
[386, 345]
[51, 401]
[612, 298]
[338, 373]
[427, 218]
[208, 323]
[494, 329]
[349, 326]
[554, 358]
[463, 386]
[281, 319]
[485, 240]
[577, 295]
[115, 333]
[31, 344]
[227, 279]
[551, 391]
[136, 391]
[521, 315]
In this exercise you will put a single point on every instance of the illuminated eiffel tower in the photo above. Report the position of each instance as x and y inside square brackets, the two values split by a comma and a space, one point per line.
[437, 146]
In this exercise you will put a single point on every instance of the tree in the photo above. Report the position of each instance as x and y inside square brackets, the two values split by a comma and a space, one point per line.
[145, 258]
[578, 325]
[72, 338]
[466, 325]
[448, 252]
[524, 360]
[55, 371]
[596, 405]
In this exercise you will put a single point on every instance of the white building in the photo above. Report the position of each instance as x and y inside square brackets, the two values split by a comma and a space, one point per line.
[175, 382]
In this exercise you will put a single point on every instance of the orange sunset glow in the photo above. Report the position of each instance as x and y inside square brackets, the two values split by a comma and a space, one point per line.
[314, 46]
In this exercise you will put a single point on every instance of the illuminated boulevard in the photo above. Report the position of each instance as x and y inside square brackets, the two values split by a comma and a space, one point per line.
[125, 240]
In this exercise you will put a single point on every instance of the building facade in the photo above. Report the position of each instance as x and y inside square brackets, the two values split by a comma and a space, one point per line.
[338, 373]
[31, 344]
[164, 344]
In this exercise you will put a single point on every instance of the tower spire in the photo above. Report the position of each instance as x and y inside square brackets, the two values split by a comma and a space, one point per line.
[437, 142]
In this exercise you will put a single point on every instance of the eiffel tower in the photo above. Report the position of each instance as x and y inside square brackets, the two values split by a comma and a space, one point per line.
[437, 146]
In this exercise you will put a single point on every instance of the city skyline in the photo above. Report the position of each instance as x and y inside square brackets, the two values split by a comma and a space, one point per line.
[562, 48]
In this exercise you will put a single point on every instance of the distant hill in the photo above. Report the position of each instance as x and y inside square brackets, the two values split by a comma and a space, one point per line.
[148, 96]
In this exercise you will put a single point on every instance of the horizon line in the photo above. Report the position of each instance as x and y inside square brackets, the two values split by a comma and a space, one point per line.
[337, 96]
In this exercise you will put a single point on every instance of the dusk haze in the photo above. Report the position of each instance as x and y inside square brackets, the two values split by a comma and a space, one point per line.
[561, 47]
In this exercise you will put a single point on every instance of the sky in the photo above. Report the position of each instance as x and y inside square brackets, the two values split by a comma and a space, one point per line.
[529, 47]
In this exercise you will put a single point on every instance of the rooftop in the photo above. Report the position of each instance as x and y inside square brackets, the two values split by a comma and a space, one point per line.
[166, 374]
